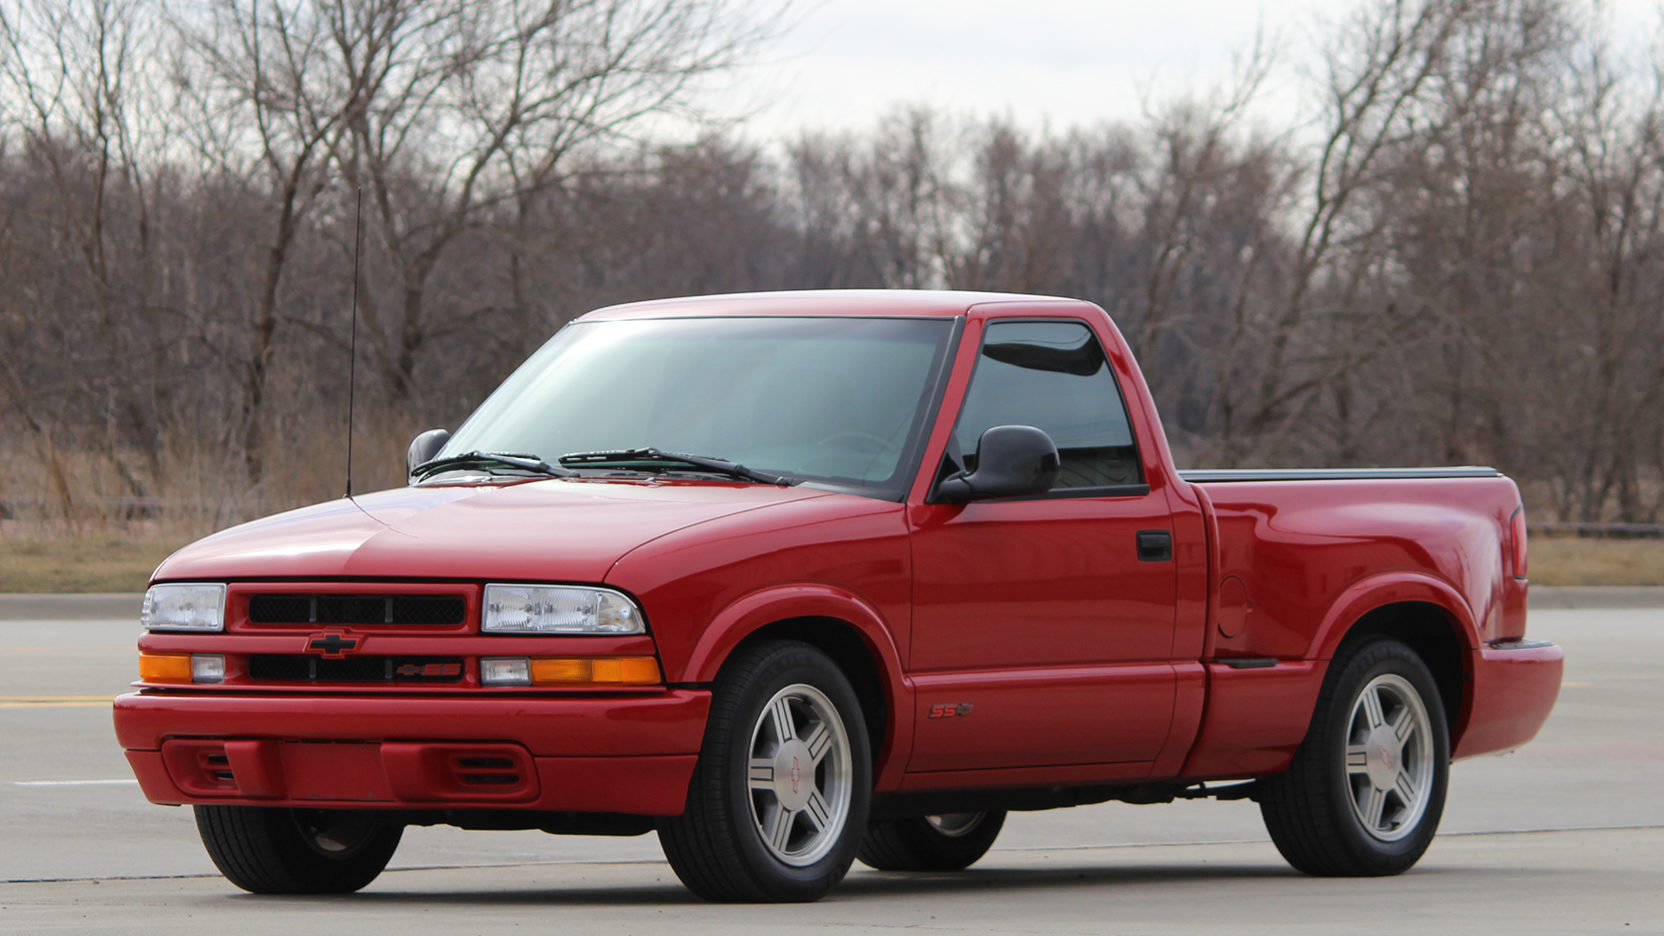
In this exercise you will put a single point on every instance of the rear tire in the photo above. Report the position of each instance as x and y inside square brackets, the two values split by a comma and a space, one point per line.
[296, 851]
[1365, 792]
[950, 842]
[782, 785]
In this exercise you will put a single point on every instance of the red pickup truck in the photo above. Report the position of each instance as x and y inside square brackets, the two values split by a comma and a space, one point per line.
[800, 578]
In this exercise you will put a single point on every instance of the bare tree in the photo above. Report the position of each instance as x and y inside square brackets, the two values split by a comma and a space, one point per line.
[1377, 72]
[1602, 424]
[461, 107]
[73, 73]
[1459, 258]
[267, 109]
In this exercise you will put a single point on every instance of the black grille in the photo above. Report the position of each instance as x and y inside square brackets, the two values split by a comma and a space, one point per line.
[436, 610]
[295, 667]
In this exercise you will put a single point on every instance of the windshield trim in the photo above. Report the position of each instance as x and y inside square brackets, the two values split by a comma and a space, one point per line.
[936, 389]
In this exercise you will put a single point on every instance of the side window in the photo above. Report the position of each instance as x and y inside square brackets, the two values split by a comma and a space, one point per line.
[1052, 375]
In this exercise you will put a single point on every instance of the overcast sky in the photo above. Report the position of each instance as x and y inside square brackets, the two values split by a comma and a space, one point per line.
[1068, 62]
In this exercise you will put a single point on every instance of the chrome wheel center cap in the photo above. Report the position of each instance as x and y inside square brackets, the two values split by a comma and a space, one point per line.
[794, 775]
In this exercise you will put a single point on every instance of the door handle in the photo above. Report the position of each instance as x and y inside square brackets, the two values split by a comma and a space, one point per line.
[1155, 546]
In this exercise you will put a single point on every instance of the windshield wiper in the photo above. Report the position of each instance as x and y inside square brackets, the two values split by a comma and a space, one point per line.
[488, 460]
[702, 462]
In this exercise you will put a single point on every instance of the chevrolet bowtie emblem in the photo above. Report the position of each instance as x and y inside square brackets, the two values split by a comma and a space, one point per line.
[332, 646]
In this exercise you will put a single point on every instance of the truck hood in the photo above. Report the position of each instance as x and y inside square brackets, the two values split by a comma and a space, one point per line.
[544, 530]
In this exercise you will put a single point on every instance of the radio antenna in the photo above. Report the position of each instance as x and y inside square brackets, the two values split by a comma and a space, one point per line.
[352, 347]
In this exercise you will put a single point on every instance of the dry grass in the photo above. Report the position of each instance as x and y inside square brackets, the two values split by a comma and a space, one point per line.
[1573, 561]
[92, 537]
[80, 563]
[116, 563]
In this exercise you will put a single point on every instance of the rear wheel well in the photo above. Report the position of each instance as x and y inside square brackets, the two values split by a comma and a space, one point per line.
[1428, 630]
[843, 643]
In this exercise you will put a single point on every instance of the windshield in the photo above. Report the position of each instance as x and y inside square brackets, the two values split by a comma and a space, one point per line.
[835, 400]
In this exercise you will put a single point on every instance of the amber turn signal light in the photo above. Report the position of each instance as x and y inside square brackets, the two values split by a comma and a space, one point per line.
[165, 667]
[612, 671]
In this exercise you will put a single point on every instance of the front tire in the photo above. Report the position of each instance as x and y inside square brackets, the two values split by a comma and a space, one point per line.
[783, 781]
[948, 842]
[1366, 790]
[296, 851]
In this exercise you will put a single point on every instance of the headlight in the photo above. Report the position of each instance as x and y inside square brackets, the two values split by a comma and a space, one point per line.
[184, 608]
[558, 609]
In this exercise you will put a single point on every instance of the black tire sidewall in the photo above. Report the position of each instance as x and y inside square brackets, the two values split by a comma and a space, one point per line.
[370, 848]
[265, 850]
[913, 844]
[1370, 660]
[793, 664]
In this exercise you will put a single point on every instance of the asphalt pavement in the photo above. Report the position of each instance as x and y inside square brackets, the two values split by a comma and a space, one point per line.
[1564, 836]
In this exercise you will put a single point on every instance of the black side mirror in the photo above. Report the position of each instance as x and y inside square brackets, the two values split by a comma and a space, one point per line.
[1011, 461]
[424, 447]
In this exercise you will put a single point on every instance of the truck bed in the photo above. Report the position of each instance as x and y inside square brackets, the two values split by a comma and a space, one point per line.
[1233, 475]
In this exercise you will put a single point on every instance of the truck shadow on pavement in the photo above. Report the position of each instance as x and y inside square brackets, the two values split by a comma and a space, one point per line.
[860, 884]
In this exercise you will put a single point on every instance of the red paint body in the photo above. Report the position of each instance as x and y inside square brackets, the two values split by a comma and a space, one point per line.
[1062, 659]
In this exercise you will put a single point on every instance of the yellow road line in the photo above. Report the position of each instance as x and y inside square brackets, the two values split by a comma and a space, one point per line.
[70, 701]
[65, 649]
[64, 783]
[56, 698]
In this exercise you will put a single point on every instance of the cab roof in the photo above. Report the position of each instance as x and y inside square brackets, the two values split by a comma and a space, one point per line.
[922, 303]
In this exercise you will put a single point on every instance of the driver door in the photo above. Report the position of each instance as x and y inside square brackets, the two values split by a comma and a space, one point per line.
[1042, 634]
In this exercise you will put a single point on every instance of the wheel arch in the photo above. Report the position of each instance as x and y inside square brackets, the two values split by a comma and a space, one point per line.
[1429, 632]
[1425, 614]
[1385, 590]
[843, 627]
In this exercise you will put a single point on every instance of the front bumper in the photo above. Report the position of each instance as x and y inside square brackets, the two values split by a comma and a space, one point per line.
[600, 753]
[1514, 686]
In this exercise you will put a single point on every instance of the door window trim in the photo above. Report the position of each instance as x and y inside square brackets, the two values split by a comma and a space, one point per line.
[1138, 489]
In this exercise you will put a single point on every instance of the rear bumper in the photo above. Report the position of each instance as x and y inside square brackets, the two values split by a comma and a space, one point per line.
[1513, 690]
[624, 754]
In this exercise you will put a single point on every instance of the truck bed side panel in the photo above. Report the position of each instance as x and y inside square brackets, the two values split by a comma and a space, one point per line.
[1309, 558]
[1300, 546]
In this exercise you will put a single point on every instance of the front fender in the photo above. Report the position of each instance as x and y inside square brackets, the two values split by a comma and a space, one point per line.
[756, 610]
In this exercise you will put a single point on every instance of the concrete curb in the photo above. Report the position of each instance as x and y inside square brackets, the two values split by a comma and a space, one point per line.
[126, 606]
[88, 607]
[1595, 598]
